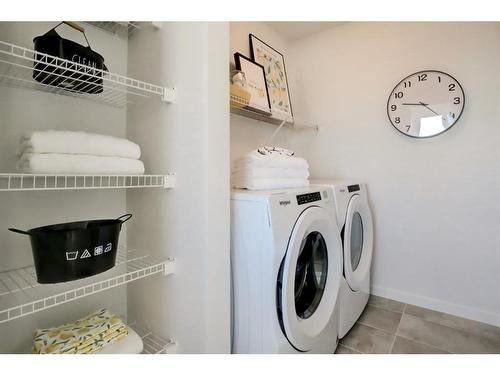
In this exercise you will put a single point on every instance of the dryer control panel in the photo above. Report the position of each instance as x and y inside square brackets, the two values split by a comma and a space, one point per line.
[308, 198]
[353, 188]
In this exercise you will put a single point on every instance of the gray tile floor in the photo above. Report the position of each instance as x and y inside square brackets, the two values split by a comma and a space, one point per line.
[388, 326]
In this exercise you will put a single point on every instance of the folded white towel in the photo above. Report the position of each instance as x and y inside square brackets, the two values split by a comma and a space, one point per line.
[269, 150]
[256, 159]
[270, 183]
[265, 172]
[69, 142]
[78, 164]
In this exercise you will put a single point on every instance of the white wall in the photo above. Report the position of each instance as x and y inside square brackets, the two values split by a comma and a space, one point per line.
[190, 222]
[436, 202]
[22, 110]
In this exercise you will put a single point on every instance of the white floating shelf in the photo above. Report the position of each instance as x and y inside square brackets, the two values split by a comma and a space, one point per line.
[22, 295]
[237, 106]
[17, 67]
[153, 344]
[258, 116]
[272, 120]
[30, 182]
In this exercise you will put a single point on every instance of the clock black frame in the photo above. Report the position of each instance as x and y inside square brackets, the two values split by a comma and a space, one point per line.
[412, 74]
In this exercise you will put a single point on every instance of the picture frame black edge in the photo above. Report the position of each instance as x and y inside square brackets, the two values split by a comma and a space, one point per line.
[250, 36]
[237, 57]
[252, 54]
[411, 74]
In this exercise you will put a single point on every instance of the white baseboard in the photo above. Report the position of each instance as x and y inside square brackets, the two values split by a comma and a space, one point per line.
[467, 312]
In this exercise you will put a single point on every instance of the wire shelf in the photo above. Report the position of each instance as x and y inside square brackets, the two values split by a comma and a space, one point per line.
[22, 295]
[153, 344]
[18, 65]
[117, 27]
[31, 182]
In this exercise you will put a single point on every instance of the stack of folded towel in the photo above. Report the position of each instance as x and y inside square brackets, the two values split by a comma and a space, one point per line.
[88, 335]
[68, 152]
[270, 168]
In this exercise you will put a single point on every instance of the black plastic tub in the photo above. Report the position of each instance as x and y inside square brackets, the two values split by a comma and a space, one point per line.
[71, 251]
[85, 78]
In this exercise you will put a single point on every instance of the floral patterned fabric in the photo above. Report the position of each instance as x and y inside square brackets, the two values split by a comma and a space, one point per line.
[87, 335]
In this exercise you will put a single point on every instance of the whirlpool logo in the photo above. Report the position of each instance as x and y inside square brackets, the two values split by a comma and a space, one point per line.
[284, 203]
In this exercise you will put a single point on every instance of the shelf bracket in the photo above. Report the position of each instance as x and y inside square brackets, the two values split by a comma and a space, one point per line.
[171, 347]
[157, 24]
[168, 95]
[169, 267]
[314, 128]
[169, 181]
[277, 131]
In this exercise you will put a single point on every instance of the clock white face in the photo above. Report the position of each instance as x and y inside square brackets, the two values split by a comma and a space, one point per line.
[425, 103]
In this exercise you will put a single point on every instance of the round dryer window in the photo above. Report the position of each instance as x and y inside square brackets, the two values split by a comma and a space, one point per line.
[358, 243]
[310, 274]
[356, 240]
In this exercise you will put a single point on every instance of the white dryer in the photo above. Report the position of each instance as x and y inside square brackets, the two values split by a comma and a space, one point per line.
[286, 265]
[356, 227]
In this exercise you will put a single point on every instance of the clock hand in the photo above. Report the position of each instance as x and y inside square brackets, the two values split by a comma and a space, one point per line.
[411, 104]
[429, 108]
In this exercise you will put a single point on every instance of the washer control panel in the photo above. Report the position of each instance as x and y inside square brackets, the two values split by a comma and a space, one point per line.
[308, 198]
[353, 188]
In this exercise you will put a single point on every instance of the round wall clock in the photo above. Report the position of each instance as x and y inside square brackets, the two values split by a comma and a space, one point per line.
[425, 103]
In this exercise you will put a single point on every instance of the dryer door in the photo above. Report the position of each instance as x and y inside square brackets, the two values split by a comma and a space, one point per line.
[309, 278]
[358, 242]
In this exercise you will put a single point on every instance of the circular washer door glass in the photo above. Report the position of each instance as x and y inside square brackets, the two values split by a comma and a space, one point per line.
[310, 274]
[356, 240]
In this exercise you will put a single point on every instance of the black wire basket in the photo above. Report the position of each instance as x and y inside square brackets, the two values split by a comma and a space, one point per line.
[77, 69]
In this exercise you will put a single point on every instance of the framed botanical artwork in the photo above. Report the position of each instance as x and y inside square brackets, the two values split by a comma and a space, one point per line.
[256, 84]
[277, 83]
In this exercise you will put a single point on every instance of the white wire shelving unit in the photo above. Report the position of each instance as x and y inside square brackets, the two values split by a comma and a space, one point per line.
[153, 343]
[22, 295]
[33, 182]
[19, 66]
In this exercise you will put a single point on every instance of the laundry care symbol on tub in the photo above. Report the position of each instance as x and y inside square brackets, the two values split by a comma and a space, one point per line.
[108, 248]
[71, 255]
[85, 254]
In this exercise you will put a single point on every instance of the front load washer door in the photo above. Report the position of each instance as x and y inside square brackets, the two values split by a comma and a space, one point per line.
[358, 242]
[309, 279]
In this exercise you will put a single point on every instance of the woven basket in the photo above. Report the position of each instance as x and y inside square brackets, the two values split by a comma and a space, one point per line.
[239, 97]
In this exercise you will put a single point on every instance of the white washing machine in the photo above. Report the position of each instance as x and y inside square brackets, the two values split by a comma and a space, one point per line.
[356, 227]
[286, 265]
